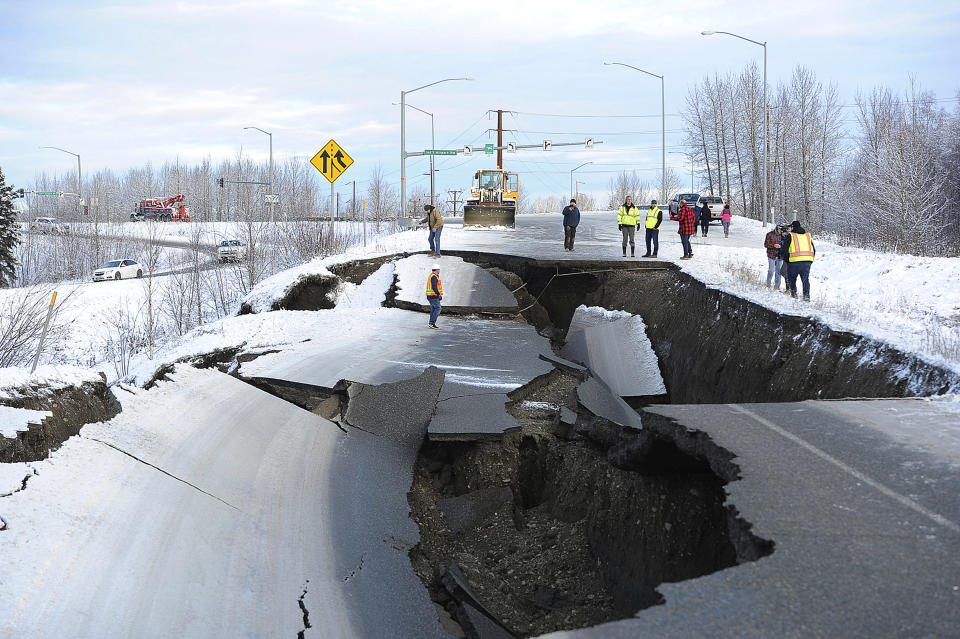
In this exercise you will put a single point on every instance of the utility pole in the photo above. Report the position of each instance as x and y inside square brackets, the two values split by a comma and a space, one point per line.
[500, 131]
[454, 193]
[353, 202]
[500, 139]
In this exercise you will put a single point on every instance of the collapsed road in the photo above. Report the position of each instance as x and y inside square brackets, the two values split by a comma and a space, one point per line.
[515, 474]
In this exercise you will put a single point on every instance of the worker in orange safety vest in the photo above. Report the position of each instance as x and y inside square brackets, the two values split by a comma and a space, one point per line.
[434, 294]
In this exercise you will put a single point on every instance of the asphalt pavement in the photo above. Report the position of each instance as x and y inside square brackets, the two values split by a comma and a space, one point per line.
[862, 502]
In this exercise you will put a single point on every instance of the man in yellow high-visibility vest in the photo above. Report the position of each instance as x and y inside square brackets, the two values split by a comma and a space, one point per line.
[652, 225]
[434, 294]
[800, 251]
[627, 217]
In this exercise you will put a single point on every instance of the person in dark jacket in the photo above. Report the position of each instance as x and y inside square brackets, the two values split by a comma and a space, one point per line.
[571, 218]
[799, 250]
[705, 219]
[688, 226]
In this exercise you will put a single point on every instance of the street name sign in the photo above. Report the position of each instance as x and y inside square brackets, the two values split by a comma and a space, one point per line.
[331, 161]
[440, 152]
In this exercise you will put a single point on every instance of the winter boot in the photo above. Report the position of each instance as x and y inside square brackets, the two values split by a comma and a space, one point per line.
[633, 252]
[654, 254]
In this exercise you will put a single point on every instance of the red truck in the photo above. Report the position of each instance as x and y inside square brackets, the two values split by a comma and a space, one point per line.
[171, 209]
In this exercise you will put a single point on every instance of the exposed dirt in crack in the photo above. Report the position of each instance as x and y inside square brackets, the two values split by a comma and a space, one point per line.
[23, 484]
[304, 611]
[541, 533]
[72, 407]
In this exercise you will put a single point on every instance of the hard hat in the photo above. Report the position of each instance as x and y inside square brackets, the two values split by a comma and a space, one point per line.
[435, 267]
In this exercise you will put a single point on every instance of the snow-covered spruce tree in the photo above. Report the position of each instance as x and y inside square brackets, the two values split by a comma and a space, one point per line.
[9, 234]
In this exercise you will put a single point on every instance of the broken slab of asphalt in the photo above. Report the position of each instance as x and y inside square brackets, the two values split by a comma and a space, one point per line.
[207, 480]
[483, 361]
[467, 288]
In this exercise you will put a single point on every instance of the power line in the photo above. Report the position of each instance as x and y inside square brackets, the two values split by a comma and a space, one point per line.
[570, 115]
[657, 132]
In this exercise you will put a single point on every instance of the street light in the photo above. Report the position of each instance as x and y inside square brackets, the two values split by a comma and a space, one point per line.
[766, 126]
[79, 176]
[403, 140]
[689, 155]
[271, 165]
[432, 146]
[571, 176]
[663, 127]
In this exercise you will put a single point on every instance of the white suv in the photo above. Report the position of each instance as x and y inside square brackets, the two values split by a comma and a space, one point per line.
[231, 251]
[49, 225]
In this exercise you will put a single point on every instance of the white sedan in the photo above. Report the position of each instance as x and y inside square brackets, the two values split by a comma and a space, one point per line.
[118, 270]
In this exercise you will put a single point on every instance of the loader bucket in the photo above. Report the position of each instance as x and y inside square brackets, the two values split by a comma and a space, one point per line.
[479, 216]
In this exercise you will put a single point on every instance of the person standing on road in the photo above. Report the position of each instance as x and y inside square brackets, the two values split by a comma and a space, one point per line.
[435, 223]
[654, 219]
[434, 294]
[571, 218]
[800, 253]
[705, 218]
[772, 243]
[627, 217]
[688, 226]
[725, 217]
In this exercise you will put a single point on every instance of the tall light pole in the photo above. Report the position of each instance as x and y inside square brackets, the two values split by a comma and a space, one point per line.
[79, 176]
[663, 127]
[766, 126]
[689, 155]
[271, 165]
[403, 140]
[571, 176]
[432, 143]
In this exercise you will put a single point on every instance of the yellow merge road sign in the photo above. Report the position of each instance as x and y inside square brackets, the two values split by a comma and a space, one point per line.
[332, 161]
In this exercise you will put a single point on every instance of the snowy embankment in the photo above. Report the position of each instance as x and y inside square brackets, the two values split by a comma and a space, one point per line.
[909, 302]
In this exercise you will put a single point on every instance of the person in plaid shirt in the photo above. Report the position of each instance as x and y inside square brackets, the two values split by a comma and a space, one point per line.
[772, 243]
[688, 226]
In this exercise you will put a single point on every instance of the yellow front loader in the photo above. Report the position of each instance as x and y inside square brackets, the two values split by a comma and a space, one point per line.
[492, 200]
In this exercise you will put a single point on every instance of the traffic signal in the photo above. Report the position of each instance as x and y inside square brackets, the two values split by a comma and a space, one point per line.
[220, 182]
[18, 193]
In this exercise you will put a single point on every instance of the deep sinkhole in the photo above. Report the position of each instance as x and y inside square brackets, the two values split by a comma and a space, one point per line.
[538, 532]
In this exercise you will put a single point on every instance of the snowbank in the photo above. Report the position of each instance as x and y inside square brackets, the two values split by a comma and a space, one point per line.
[17, 381]
[14, 420]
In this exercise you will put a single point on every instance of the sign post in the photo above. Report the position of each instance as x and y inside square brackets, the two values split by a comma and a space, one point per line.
[43, 335]
[331, 161]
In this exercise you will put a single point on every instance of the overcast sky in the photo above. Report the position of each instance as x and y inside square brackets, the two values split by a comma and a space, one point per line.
[128, 83]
